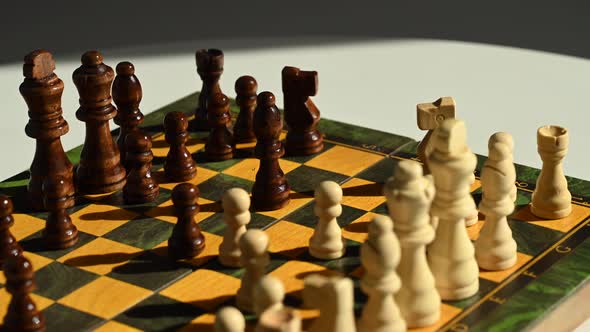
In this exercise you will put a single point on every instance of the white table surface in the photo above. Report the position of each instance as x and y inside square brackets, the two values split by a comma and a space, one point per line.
[371, 84]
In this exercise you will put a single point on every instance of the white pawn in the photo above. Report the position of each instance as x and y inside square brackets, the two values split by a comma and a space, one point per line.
[495, 249]
[326, 241]
[269, 294]
[451, 255]
[236, 215]
[334, 298]
[473, 217]
[254, 259]
[380, 255]
[229, 319]
[409, 195]
[551, 198]
[279, 320]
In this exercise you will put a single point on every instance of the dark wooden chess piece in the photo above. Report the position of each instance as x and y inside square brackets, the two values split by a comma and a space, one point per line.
[186, 240]
[209, 68]
[301, 114]
[100, 170]
[127, 95]
[22, 314]
[245, 87]
[141, 187]
[42, 91]
[270, 190]
[8, 244]
[219, 144]
[59, 232]
[179, 165]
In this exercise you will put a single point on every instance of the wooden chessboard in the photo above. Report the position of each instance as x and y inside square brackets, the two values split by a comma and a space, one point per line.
[118, 276]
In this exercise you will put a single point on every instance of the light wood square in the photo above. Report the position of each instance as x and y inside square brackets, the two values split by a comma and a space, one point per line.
[247, 168]
[165, 211]
[211, 250]
[499, 276]
[475, 185]
[288, 238]
[358, 229]
[447, 312]
[100, 256]
[204, 288]
[37, 261]
[203, 174]
[5, 297]
[99, 219]
[297, 201]
[578, 214]
[362, 194]
[25, 225]
[160, 147]
[344, 160]
[203, 323]
[105, 297]
[111, 326]
[293, 272]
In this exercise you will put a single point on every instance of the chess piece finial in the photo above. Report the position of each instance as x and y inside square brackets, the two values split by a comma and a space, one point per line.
[220, 145]
[8, 244]
[186, 240]
[271, 189]
[229, 319]
[127, 94]
[100, 169]
[254, 259]
[179, 165]
[22, 313]
[209, 67]
[495, 249]
[236, 215]
[326, 241]
[245, 87]
[141, 187]
[59, 232]
[42, 91]
[451, 255]
[551, 198]
[301, 114]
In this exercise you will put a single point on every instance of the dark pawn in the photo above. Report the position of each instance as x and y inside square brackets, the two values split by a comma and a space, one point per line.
[22, 314]
[127, 95]
[271, 190]
[141, 187]
[42, 91]
[209, 68]
[100, 170]
[179, 165]
[59, 231]
[219, 144]
[186, 240]
[245, 87]
[301, 114]
[8, 244]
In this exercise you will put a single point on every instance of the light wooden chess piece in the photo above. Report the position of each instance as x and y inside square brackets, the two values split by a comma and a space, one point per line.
[551, 198]
[451, 255]
[473, 217]
[326, 241]
[334, 298]
[279, 320]
[229, 319]
[409, 195]
[430, 116]
[254, 259]
[236, 215]
[269, 294]
[495, 249]
[380, 255]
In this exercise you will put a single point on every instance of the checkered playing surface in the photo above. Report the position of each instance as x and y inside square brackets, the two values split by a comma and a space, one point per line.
[118, 277]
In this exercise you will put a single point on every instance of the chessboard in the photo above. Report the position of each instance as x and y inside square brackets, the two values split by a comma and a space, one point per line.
[118, 277]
